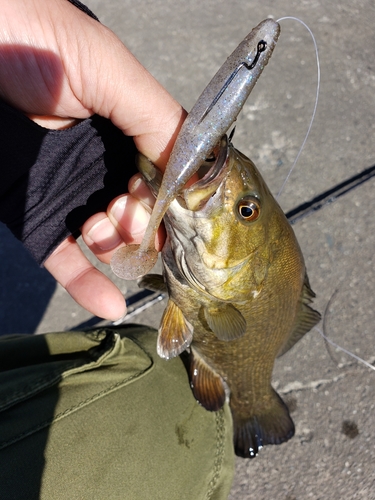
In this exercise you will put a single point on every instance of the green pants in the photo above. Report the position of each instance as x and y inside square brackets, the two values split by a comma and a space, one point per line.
[98, 415]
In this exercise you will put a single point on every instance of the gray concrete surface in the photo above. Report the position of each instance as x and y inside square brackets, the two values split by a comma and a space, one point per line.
[183, 43]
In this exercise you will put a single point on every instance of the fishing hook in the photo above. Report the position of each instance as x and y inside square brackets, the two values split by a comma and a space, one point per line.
[261, 47]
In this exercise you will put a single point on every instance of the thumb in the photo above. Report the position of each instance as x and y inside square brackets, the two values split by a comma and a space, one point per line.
[114, 84]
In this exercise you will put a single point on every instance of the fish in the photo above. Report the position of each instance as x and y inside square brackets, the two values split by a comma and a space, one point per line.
[211, 116]
[239, 294]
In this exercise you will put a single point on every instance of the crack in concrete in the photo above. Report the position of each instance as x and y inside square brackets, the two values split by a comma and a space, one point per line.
[316, 384]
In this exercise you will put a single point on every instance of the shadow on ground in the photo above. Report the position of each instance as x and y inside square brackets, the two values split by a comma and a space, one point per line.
[26, 288]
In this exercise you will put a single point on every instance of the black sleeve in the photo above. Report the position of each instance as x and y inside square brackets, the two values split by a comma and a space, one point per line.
[51, 181]
[84, 9]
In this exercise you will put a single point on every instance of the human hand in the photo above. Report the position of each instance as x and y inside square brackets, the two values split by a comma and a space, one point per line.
[58, 66]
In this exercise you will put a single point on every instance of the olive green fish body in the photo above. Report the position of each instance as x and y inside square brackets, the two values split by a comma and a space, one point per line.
[239, 295]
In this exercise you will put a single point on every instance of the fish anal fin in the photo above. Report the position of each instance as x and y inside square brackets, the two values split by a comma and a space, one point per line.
[175, 332]
[306, 318]
[225, 321]
[207, 386]
[153, 282]
[273, 426]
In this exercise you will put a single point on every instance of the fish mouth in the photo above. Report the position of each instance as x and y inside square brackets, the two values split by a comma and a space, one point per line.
[212, 172]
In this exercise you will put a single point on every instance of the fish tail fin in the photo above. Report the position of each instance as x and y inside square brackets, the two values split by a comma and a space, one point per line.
[273, 426]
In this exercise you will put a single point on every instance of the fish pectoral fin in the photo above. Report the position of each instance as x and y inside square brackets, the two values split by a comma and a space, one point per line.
[306, 318]
[272, 426]
[207, 386]
[153, 282]
[175, 332]
[225, 321]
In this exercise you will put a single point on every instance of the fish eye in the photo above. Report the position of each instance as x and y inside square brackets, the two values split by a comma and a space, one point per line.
[248, 209]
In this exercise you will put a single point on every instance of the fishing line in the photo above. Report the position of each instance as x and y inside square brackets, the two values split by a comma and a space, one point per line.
[329, 342]
[316, 98]
[369, 365]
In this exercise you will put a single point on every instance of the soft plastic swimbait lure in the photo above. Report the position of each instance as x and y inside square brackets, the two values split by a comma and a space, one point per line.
[213, 114]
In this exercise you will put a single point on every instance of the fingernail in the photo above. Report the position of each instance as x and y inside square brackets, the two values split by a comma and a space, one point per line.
[135, 185]
[104, 235]
[141, 191]
[131, 214]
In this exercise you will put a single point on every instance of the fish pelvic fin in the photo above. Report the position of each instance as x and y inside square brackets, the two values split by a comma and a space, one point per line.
[273, 426]
[207, 386]
[225, 321]
[306, 318]
[153, 282]
[175, 332]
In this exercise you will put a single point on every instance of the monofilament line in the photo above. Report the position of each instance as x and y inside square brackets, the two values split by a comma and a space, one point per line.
[316, 99]
[369, 365]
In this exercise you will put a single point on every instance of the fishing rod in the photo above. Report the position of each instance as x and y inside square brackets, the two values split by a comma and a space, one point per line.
[329, 196]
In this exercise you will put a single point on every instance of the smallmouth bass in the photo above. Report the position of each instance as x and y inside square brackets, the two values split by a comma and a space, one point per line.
[239, 295]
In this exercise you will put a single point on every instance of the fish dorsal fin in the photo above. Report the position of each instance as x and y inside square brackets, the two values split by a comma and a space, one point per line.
[307, 293]
[306, 318]
[272, 425]
[225, 321]
[207, 386]
[153, 282]
[175, 332]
